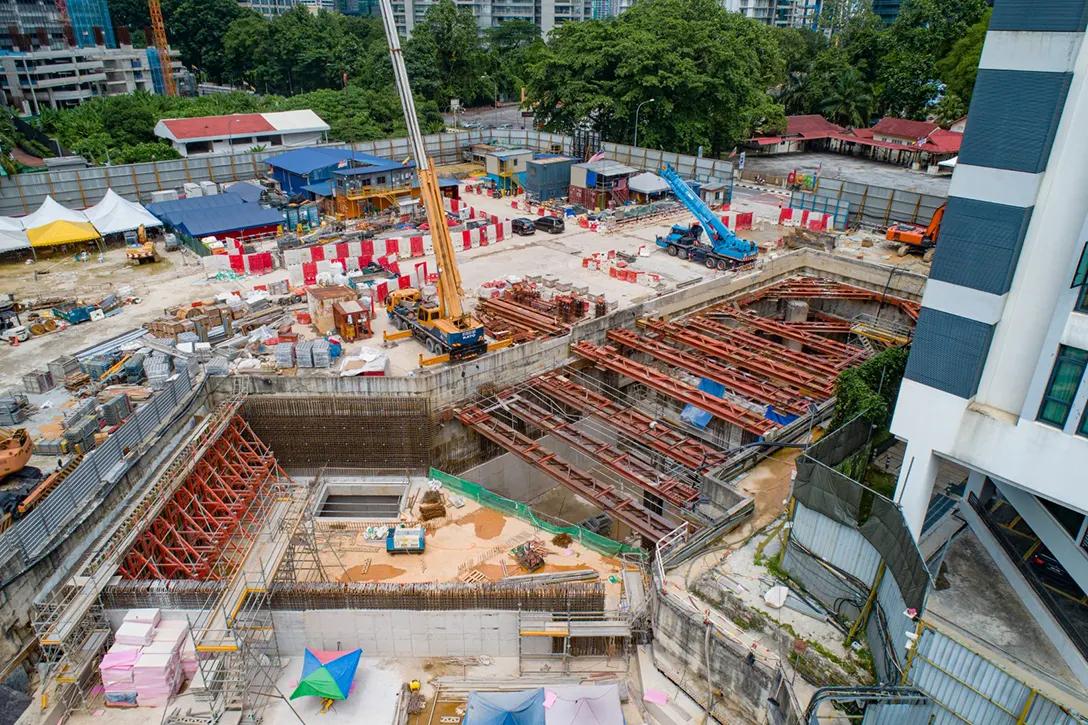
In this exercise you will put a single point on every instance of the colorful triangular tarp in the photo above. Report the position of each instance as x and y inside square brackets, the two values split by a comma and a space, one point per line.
[327, 673]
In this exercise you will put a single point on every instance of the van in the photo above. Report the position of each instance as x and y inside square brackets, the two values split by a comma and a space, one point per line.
[552, 224]
[522, 226]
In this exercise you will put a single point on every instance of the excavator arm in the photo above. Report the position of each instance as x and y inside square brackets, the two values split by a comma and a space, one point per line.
[450, 292]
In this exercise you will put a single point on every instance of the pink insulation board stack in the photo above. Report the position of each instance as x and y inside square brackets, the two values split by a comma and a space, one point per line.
[149, 673]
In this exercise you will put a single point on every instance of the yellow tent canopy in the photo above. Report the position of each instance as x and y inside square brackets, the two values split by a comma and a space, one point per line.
[61, 232]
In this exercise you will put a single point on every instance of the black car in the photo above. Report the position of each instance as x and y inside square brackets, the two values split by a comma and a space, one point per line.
[522, 226]
[1050, 571]
[551, 224]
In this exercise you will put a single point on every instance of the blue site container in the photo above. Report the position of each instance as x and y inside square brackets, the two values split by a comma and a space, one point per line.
[292, 217]
[313, 215]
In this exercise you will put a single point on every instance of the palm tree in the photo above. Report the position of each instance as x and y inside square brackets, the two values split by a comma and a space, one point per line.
[850, 99]
[948, 110]
[793, 94]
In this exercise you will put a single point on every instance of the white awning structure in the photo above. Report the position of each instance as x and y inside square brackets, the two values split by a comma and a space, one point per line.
[11, 224]
[115, 214]
[647, 183]
[13, 239]
[51, 211]
[949, 163]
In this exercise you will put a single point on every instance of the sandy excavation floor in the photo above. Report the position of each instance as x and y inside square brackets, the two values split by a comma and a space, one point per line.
[472, 538]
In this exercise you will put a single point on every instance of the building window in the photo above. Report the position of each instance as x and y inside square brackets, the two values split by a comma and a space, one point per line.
[1082, 429]
[1062, 386]
[1082, 300]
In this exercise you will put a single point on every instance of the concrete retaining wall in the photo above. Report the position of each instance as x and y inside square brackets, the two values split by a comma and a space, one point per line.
[680, 654]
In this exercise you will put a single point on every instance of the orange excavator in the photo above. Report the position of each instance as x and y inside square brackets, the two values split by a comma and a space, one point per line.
[915, 238]
[15, 450]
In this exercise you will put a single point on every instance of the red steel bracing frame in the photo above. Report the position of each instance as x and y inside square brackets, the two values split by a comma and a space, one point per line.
[783, 398]
[818, 364]
[819, 288]
[822, 327]
[773, 327]
[632, 422]
[641, 520]
[808, 382]
[630, 467]
[610, 359]
[205, 528]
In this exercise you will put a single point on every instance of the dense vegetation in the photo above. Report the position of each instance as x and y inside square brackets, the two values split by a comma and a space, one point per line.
[870, 388]
[715, 76]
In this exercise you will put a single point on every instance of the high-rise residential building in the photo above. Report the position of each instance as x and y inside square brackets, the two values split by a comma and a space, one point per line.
[887, 10]
[67, 76]
[546, 14]
[996, 378]
[781, 13]
[268, 8]
[40, 23]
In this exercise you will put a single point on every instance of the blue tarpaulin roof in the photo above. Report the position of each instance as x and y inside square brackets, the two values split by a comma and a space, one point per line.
[373, 164]
[322, 188]
[505, 708]
[444, 182]
[246, 190]
[305, 161]
[220, 220]
[169, 211]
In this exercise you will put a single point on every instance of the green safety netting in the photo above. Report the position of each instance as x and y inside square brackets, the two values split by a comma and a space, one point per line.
[479, 494]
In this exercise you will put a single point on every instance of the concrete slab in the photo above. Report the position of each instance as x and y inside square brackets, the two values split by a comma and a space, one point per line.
[980, 606]
[850, 168]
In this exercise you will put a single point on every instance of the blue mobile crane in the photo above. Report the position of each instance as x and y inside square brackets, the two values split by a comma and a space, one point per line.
[722, 250]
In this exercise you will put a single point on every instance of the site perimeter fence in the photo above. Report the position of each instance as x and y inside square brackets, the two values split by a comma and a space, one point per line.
[50, 522]
[80, 188]
[876, 206]
[479, 494]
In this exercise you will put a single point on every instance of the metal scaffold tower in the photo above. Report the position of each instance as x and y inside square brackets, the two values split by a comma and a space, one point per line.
[222, 510]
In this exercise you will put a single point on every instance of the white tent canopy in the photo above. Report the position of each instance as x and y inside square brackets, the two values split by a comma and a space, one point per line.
[949, 163]
[584, 705]
[647, 183]
[13, 239]
[11, 224]
[51, 211]
[116, 214]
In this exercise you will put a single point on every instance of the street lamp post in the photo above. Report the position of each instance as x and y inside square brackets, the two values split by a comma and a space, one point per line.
[230, 137]
[639, 108]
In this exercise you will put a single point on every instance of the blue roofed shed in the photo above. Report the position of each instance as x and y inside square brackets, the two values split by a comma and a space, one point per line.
[309, 166]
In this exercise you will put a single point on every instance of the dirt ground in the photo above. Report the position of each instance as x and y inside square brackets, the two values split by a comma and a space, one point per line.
[472, 537]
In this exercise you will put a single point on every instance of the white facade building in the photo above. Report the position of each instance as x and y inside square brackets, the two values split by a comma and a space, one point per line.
[242, 131]
[66, 77]
[996, 376]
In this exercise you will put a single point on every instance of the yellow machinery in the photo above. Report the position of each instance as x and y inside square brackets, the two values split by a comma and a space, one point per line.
[449, 330]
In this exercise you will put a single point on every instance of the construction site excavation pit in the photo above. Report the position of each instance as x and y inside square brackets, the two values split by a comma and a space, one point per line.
[506, 517]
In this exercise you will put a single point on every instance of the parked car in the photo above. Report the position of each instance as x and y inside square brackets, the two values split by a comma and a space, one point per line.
[552, 224]
[503, 126]
[522, 226]
[1050, 570]
[475, 224]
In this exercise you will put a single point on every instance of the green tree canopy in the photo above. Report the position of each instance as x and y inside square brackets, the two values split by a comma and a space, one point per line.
[445, 57]
[850, 99]
[960, 66]
[707, 69]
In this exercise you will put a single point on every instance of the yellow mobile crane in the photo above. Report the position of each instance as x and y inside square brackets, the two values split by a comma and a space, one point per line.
[445, 329]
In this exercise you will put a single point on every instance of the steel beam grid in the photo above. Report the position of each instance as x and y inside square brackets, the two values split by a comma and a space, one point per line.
[629, 467]
[610, 359]
[815, 384]
[208, 524]
[774, 327]
[783, 398]
[631, 422]
[761, 346]
[821, 327]
[642, 521]
[809, 288]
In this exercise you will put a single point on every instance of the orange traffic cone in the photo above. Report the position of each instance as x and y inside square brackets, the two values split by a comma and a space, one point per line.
[15, 341]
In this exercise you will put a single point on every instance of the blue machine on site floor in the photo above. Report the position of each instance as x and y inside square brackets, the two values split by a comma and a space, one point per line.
[404, 539]
[722, 250]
